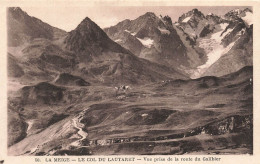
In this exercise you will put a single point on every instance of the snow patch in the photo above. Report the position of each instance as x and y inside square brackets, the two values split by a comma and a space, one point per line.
[132, 33]
[235, 11]
[164, 31]
[223, 25]
[34, 149]
[30, 123]
[118, 40]
[147, 42]
[186, 19]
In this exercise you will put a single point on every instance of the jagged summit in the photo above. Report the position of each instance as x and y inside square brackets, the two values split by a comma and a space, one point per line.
[150, 14]
[147, 18]
[233, 13]
[194, 13]
[237, 13]
[247, 10]
[167, 19]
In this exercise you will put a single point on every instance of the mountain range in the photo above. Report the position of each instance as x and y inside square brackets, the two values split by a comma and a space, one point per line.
[196, 44]
[144, 80]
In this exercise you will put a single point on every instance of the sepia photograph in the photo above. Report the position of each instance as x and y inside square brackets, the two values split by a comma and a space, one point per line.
[129, 80]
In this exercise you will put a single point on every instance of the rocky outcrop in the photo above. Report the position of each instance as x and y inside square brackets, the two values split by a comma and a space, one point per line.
[238, 29]
[231, 124]
[206, 30]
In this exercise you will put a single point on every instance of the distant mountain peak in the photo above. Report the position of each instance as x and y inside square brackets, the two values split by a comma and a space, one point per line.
[89, 37]
[233, 13]
[149, 14]
[86, 24]
[86, 33]
[89, 30]
[247, 10]
[236, 14]
[17, 9]
[195, 11]
[191, 14]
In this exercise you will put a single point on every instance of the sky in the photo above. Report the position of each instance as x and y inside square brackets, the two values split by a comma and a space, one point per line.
[67, 18]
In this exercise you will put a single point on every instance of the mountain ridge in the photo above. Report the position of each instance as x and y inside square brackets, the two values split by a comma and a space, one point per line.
[23, 28]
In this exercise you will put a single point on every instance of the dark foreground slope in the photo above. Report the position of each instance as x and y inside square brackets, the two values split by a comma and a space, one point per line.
[205, 115]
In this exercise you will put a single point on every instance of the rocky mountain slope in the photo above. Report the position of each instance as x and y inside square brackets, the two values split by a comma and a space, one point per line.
[154, 38]
[223, 39]
[192, 44]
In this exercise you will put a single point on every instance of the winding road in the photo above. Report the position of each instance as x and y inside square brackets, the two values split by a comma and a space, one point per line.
[76, 123]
